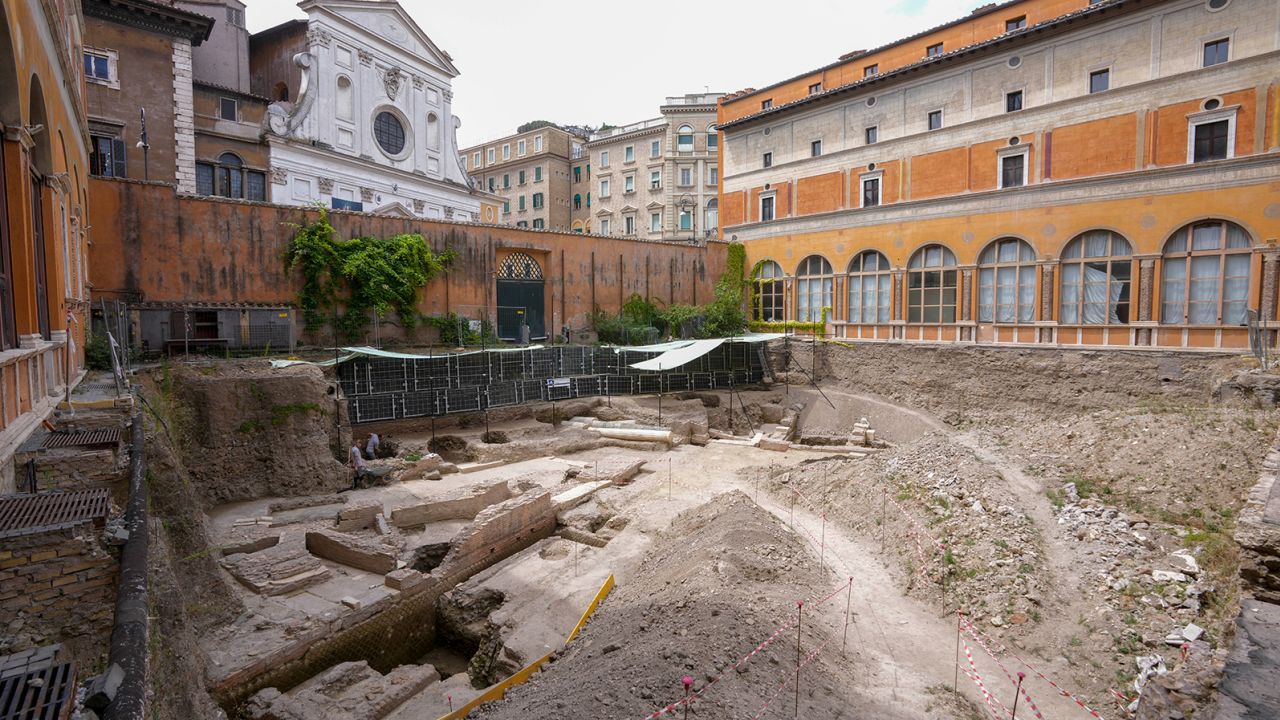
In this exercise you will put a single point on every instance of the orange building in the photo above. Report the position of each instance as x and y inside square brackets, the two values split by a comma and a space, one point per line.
[1042, 171]
[43, 203]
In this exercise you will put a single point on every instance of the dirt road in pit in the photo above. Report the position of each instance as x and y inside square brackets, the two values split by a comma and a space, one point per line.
[898, 646]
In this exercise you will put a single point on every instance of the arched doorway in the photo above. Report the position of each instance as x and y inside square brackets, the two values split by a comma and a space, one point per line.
[10, 114]
[520, 297]
[41, 167]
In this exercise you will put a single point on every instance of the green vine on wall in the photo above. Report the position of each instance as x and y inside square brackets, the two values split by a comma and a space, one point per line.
[364, 274]
[640, 321]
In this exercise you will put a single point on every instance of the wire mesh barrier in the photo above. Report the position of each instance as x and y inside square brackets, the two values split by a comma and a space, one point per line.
[382, 389]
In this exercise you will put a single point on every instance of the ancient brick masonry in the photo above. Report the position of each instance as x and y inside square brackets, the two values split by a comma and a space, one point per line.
[56, 583]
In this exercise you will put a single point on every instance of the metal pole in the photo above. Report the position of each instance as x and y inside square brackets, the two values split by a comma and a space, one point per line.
[848, 601]
[1016, 693]
[955, 682]
[822, 553]
[799, 627]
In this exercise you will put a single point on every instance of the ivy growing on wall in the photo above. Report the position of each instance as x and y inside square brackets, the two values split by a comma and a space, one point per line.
[641, 321]
[362, 274]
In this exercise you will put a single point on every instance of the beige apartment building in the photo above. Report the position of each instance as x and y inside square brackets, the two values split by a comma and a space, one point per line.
[530, 172]
[656, 178]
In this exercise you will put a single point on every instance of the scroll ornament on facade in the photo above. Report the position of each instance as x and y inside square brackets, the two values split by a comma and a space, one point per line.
[326, 185]
[366, 194]
[279, 176]
[282, 119]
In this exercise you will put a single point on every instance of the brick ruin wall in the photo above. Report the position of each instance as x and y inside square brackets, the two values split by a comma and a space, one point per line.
[399, 628]
[58, 586]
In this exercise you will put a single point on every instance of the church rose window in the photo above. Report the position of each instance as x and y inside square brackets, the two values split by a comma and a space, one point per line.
[389, 132]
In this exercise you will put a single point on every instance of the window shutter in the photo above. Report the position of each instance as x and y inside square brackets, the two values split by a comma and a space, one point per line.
[117, 157]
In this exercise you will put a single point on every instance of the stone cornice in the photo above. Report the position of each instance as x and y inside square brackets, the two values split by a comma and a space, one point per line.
[1249, 170]
[153, 17]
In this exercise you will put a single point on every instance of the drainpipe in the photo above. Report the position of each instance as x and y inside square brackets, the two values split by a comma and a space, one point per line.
[129, 633]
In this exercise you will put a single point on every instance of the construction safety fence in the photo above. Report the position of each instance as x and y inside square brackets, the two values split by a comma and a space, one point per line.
[380, 389]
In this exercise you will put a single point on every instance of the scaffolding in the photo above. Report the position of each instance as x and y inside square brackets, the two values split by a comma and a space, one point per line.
[382, 388]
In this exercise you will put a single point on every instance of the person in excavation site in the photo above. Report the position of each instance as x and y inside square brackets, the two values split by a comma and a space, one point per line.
[357, 464]
[371, 446]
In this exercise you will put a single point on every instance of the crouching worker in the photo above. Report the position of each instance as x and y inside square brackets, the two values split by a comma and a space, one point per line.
[371, 446]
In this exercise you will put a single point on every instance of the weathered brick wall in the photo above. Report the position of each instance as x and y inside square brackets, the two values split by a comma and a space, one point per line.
[80, 470]
[498, 532]
[57, 586]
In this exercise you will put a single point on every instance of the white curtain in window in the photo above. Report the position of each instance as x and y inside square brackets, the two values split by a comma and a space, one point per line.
[1099, 305]
[1173, 290]
[986, 294]
[1235, 289]
[1026, 294]
[1203, 308]
[1070, 310]
[882, 312]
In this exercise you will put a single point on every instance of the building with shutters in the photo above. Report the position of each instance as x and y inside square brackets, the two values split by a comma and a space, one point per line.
[44, 171]
[361, 115]
[1049, 172]
[530, 172]
[656, 178]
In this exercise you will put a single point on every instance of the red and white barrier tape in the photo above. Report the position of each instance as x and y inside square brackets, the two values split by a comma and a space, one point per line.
[808, 659]
[1065, 693]
[977, 637]
[977, 680]
[756, 651]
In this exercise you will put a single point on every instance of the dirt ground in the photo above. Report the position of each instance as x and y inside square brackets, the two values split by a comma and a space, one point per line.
[688, 611]
[1075, 506]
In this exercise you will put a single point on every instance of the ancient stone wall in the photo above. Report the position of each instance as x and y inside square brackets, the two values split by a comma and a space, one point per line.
[245, 431]
[57, 586]
[1258, 534]
[499, 532]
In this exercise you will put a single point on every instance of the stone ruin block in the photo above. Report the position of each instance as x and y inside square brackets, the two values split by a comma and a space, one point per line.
[277, 570]
[404, 579]
[358, 517]
[349, 691]
[351, 551]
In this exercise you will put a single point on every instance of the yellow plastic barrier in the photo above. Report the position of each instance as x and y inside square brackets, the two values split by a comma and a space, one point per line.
[497, 692]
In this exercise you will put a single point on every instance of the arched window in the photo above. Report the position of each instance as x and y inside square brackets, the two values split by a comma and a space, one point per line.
[813, 288]
[1007, 282]
[229, 176]
[870, 287]
[712, 219]
[577, 201]
[713, 139]
[1096, 272]
[281, 92]
[684, 139]
[766, 292]
[931, 286]
[1205, 280]
[346, 106]
[433, 132]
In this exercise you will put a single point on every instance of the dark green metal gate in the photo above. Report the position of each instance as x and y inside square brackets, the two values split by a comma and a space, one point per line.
[521, 290]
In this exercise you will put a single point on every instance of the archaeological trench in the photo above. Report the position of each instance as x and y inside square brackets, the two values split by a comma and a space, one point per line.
[836, 532]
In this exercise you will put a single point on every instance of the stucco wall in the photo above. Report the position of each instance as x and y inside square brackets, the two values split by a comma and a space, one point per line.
[157, 246]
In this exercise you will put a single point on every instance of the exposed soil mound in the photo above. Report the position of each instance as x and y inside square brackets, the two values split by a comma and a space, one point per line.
[245, 430]
[720, 581]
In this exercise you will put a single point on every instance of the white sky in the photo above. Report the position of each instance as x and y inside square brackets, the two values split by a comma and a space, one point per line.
[589, 63]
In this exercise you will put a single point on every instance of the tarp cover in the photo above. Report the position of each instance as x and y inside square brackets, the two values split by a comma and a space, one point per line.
[675, 357]
[352, 353]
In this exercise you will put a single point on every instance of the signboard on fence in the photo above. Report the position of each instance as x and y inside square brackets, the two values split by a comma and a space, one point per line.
[557, 382]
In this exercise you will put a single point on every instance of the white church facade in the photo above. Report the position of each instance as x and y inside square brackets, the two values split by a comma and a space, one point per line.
[361, 115]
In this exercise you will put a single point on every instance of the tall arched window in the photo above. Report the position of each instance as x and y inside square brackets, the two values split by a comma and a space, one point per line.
[1096, 272]
[1007, 282]
[870, 287]
[684, 139]
[713, 139]
[766, 292]
[712, 219]
[1205, 280]
[577, 201]
[931, 286]
[346, 106]
[281, 92]
[813, 288]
